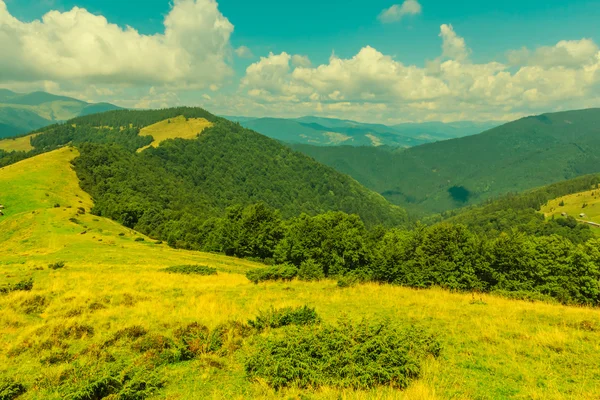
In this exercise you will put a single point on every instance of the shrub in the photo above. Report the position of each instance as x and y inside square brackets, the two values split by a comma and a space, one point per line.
[57, 265]
[191, 269]
[9, 389]
[282, 272]
[358, 356]
[24, 285]
[56, 205]
[137, 384]
[310, 271]
[348, 281]
[139, 239]
[285, 316]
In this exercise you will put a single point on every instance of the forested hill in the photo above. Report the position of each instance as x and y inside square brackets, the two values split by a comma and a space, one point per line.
[517, 156]
[188, 181]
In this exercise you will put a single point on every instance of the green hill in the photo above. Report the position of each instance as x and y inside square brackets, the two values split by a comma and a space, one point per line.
[23, 113]
[197, 179]
[517, 156]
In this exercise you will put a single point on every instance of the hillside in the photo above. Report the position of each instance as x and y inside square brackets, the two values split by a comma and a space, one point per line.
[320, 131]
[517, 156]
[111, 319]
[225, 166]
[23, 113]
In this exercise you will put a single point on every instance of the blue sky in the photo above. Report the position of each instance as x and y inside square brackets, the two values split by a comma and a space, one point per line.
[318, 29]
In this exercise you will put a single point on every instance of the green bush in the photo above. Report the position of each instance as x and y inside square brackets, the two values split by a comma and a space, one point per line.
[57, 265]
[360, 356]
[139, 239]
[524, 295]
[24, 285]
[310, 271]
[348, 281]
[9, 389]
[285, 316]
[282, 272]
[137, 384]
[191, 269]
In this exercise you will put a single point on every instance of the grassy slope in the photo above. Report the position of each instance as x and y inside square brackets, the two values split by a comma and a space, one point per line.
[174, 128]
[493, 348]
[574, 205]
[22, 143]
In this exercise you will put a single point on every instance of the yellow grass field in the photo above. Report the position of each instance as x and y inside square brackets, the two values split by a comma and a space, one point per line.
[173, 128]
[17, 144]
[493, 348]
[573, 205]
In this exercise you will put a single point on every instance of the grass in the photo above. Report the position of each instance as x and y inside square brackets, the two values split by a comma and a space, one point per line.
[17, 144]
[178, 127]
[57, 333]
[573, 205]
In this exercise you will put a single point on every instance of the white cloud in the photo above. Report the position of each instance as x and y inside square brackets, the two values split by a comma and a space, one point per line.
[452, 87]
[566, 53]
[80, 46]
[453, 46]
[244, 52]
[300, 61]
[398, 11]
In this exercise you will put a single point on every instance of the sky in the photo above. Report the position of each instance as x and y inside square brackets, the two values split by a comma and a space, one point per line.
[373, 61]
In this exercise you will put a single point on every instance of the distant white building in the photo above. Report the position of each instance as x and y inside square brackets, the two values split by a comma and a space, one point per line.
[582, 215]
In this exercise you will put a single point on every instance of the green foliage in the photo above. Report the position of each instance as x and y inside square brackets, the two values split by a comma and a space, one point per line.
[310, 270]
[282, 272]
[357, 356]
[139, 239]
[57, 265]
[191, 269]
[10, 389]
[556, 146]
[24, 285]
[277, 318]
[132, 384]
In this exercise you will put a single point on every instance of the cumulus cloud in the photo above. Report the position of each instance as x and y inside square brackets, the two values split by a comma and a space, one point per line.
[451, 87]
[398, 11]
[566, 53]
[79, 46]
[453, 46]
[244, 52]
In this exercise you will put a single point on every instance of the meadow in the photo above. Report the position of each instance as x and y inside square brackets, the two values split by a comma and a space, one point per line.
[587, 202]
[178, 127]
[21, 143]
[70, 326]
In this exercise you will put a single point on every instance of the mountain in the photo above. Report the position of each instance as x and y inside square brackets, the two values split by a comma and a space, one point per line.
[514, 157]
[23, 113]
[321, 131]
[226, 165]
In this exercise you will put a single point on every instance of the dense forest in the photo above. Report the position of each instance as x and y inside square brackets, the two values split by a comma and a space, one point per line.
[450, 174]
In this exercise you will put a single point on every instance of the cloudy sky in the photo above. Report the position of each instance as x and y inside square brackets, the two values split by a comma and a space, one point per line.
[376, 60]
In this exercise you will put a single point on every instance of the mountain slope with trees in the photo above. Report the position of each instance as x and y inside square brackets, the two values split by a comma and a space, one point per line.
[514, 157]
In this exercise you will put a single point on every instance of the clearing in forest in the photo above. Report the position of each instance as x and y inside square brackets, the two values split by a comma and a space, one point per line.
[178, 127]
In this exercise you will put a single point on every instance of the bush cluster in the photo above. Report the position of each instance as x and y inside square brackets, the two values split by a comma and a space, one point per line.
[24, 285]
[346, 355]
[277, 318]
[57, 265]
[282, 272]
[9, 389]
[191, 269]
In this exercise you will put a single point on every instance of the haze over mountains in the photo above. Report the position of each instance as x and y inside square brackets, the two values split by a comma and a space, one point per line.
[320, 131]
[22, 113]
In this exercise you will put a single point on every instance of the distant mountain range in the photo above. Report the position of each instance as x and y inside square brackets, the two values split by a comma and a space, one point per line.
[24, 112]
[319, 131]
[521, 155]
